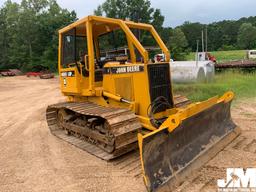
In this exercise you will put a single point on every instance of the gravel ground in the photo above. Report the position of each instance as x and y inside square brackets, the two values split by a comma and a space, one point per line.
[33, 160]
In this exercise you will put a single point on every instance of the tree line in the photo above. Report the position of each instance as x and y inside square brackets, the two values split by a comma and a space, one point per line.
[29, 31]
[223, 35]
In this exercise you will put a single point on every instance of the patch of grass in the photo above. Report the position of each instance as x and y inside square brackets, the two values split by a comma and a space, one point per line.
[242, 84]
[223, 56]
[229, 55]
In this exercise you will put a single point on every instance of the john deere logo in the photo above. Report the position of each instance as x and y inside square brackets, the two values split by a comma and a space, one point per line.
[124, 69]
[238, 180]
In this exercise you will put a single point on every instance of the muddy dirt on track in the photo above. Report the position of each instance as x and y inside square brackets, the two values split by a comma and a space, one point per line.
[33, 160]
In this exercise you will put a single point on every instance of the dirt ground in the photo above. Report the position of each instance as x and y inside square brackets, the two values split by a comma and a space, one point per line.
[241, 153]
[33, 160]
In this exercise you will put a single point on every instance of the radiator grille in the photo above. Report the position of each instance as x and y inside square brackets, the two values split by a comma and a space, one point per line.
[160, 83]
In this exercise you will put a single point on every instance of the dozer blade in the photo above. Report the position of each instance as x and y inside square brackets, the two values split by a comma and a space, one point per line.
[185, 142]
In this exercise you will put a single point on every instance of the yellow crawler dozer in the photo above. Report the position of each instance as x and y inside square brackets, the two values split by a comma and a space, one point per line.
[119, 100]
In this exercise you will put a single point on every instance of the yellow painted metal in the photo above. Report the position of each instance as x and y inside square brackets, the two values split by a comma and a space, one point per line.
[97, 47]
[112, 96]
[90, 53]
[59, 52]
[81, 88]
[183, 113]
[173, 121]
[125, 89]
[140, 143]
[70, 85]
[125, 26]
[134, 25]
[85, 88]
[140, 86]
[131, 48]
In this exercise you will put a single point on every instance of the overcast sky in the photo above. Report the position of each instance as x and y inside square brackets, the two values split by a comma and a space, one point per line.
[177, 12]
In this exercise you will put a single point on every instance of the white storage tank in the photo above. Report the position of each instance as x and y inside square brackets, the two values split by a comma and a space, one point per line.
[192, 71]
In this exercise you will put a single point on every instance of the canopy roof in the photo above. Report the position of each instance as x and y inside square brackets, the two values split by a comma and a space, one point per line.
[102, 25]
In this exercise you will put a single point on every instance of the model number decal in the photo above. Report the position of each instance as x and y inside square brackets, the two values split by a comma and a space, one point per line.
[125, 69]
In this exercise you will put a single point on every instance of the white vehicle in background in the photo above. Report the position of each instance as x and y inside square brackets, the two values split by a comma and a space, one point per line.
[251, 54]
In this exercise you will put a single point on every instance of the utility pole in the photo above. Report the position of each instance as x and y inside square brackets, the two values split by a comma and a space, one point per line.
[197, 45]
[202, 40]
[206, 39]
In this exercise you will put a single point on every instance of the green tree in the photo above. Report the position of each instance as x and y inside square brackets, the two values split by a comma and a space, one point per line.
[8, 21]
[192, 31]
[158, 21]
[29, 34]
[98, 11]
[178, 44]
[247, 36]
[3, 39]
[51, 21]
[134, 10]
[222, 35]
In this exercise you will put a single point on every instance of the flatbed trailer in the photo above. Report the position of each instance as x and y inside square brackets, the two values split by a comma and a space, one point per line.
[242, 64]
